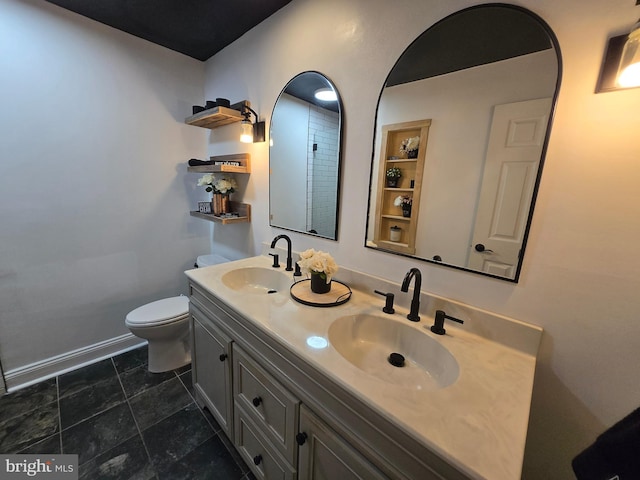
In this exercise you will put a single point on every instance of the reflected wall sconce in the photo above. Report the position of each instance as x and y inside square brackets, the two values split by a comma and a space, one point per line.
[251, 132]
[621, 66]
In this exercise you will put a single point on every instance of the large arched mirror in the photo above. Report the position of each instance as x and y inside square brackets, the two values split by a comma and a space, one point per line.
[304, 156]
[463, 118]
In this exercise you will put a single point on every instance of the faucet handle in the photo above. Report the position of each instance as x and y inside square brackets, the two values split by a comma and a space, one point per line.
[388, 304]
[276, 257]
[438, 324]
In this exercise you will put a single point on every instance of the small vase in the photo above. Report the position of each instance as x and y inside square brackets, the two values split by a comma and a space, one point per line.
[216, 203]
[392, 182]
[406, 211]
[318, 284]
[224, 204]
[412, 153]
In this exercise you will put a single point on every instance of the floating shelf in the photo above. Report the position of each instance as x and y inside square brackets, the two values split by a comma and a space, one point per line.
[243, 158]
[244, 209]
[218, 116]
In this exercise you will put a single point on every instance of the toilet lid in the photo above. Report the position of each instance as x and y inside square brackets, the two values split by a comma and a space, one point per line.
[160, 311]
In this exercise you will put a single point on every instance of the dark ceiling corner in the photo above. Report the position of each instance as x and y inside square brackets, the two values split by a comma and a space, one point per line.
[197, 28]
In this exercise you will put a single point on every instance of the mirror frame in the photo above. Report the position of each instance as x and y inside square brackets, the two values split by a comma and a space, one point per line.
[371, 208]
[339, 159]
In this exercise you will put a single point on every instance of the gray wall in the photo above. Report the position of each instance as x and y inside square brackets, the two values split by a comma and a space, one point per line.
[581, 276]
[94, 194]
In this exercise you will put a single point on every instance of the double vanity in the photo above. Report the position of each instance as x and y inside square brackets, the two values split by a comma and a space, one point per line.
[305, 392]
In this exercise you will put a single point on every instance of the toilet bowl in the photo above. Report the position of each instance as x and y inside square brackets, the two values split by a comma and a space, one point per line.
[165, 325]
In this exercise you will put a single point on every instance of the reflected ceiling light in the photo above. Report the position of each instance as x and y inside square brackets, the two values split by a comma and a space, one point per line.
[629, 68]
[251, 132]
[317, 342]
[326, 94]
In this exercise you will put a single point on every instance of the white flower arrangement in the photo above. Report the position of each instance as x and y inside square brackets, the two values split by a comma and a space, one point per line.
[224, 185]
[409, 144]
[402, 200]
[320, 263]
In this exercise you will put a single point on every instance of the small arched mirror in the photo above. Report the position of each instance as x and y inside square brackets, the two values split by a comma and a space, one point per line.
[462, 122]
[304, 157]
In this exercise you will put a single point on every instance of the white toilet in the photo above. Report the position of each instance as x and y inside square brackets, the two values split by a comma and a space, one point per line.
[165, 325]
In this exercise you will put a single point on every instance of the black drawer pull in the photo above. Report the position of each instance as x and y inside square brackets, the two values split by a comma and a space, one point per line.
[256, 401]
[223, 357]
[301, 438]
[257, 459]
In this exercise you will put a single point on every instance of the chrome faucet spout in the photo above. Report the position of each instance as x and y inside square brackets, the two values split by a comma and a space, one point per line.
[415, 274]
[289, 256]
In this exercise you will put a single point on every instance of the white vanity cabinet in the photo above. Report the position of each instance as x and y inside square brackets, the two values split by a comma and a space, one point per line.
[324, 455]
[211, 368]
[288, 420]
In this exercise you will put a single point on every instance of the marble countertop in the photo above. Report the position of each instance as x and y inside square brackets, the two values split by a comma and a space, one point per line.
[479, 423]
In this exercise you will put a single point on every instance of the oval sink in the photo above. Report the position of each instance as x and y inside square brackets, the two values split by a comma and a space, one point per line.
[257, 280]
[367, 341]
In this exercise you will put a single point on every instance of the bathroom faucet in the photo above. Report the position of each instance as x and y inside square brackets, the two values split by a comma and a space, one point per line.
[415, 301]
[289, 257]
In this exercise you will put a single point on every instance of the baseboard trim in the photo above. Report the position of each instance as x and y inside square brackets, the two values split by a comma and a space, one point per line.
[50, 367]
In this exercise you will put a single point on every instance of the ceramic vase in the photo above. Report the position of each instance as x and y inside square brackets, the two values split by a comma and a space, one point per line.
[319, 284]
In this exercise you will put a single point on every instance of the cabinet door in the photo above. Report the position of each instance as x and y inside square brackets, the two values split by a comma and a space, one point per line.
[211, 370]
[324, 455]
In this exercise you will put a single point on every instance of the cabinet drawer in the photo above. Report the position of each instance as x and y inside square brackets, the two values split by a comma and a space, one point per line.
[262, 457]
[273, 408]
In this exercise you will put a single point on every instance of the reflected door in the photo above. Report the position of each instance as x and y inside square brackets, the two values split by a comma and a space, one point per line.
[513, 154]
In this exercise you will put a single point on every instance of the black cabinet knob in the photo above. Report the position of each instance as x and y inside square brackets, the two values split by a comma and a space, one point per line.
[223, 357]
[256, 401]
[301, 438]
[257, 459]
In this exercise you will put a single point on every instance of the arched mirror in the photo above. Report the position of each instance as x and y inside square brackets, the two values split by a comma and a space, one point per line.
[463, 119]
[304, 156]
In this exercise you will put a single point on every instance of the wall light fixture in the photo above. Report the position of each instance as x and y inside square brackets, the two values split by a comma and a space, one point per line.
[251, 132]
[621, 66]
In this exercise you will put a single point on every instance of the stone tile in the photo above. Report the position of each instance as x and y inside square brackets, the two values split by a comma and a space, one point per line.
[129, 460]
[19, 432]
[73, 382]
[100, 433]
[212, 421]
[139, 379]
[48, 445]
[157, 403]
[171, 439]
[181, 370]
[187, 380]
[27, 399]
[208, 461]
[131, 359]
[90, 401]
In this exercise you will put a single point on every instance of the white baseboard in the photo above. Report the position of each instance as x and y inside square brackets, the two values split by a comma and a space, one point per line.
[51, 367]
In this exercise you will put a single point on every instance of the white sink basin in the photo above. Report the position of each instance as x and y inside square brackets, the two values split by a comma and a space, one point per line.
[367, 341]
[257, 280]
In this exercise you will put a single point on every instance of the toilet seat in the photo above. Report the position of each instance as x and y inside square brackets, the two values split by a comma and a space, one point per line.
[160, 312]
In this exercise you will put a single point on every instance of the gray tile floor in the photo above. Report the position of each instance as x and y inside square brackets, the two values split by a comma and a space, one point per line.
[123, 423]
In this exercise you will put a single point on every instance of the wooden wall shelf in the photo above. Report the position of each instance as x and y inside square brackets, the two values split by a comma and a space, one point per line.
[218, 116]
[243, 158]
[244, 209]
